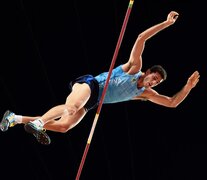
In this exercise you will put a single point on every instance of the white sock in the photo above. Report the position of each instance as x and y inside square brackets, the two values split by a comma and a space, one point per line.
[38, 122]
[18, 119]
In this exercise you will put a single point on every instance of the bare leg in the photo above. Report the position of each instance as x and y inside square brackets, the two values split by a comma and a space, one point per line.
[66, 122]
[74, 103]
[63, 117]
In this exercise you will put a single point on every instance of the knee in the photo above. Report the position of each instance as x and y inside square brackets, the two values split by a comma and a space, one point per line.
[71, 109]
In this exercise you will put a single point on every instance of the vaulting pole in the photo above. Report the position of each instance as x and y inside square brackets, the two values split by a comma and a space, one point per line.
[105, 87]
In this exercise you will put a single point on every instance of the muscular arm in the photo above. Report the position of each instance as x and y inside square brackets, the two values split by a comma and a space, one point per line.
[175, 100]
[135, 61]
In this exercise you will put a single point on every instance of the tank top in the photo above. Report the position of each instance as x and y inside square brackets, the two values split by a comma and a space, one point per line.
[122, 86]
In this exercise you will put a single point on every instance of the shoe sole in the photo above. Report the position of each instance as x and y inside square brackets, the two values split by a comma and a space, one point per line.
[5, 121]
[41, 136]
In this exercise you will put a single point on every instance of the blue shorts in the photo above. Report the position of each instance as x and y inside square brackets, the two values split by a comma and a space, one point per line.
[94, 86]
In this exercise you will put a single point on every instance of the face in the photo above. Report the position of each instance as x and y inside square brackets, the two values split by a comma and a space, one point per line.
[152, 79]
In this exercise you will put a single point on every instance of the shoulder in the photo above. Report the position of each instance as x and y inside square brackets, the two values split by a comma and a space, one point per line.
[148, 93]
[130, 68]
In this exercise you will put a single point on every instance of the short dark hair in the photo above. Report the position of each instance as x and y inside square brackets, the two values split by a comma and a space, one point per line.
[160, 70]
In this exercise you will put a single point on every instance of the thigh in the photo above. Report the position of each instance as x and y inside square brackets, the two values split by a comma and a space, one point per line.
[79, 95]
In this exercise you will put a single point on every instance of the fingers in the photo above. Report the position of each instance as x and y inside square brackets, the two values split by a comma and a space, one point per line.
[194, 78]
[175, 16]
[195, 82]
[196, 74]
[172, 16]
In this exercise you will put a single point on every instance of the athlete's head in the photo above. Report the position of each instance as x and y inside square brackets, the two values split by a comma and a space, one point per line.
[154, 76]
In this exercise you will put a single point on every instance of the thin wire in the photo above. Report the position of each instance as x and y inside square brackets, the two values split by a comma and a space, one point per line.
[40, 57]
[105, 88]
[52, 93]
[130, 145]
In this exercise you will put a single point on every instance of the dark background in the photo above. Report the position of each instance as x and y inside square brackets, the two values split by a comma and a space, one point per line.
[45, 44]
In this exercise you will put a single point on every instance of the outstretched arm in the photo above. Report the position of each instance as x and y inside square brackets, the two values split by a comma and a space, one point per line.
[135, 61]
[175, 100]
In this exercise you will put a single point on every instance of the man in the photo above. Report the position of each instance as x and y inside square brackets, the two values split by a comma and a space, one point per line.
[127, 82]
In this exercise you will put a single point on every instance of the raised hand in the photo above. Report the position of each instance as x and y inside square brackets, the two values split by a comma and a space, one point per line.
[193, 79]
[172, 17]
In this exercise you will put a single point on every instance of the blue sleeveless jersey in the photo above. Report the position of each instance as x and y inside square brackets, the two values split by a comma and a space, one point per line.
[121, 87]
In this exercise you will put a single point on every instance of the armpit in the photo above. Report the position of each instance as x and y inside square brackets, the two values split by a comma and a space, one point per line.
[141, 98]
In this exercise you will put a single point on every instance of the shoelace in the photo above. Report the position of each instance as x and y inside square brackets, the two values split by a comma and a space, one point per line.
[10, 116]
